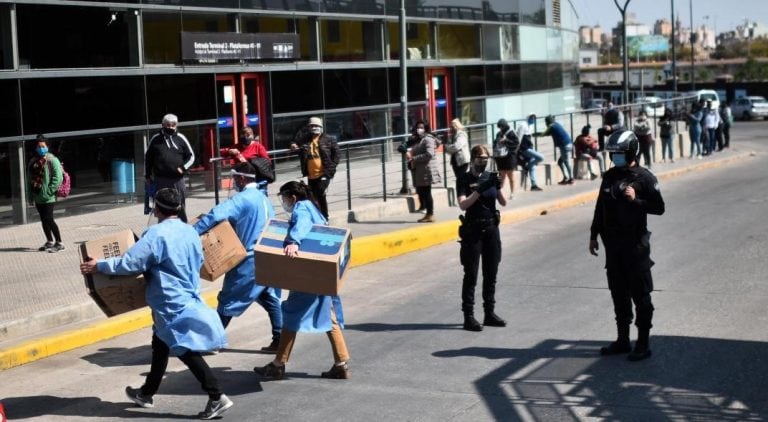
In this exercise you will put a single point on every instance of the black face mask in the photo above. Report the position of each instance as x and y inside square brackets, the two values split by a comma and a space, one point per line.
[246, 140]
[479, 168]
[169, 131]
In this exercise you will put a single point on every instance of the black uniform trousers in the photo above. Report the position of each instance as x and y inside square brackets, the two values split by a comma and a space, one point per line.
[477, 240]
[630, 285]
[319, 187]
[194, 362]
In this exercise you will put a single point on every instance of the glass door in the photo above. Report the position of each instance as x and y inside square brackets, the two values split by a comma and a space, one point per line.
[241, 102]
[440, 98]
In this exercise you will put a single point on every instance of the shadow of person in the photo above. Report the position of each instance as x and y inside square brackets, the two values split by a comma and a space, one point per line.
[121, 356]
[35, 406]
[379, 327]
[687, 378]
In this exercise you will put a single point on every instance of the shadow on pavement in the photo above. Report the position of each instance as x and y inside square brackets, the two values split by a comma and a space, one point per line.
[36, 406]
[687, 378]
[377, 327]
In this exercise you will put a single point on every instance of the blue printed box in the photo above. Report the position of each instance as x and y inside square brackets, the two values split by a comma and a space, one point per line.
[319, 268]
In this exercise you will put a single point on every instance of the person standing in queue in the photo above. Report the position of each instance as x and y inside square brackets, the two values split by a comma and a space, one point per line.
[45, 176]
[306, 312]
[628, 193]
[319, 155]
[422, 160]
[248, 212]
[478, 191]
[458, 147]
[167, 160]
[170, 255]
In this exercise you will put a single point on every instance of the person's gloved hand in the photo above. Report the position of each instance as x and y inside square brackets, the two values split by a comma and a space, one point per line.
[485, 185]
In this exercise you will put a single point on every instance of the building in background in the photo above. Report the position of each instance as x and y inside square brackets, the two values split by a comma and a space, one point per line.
[100, 76]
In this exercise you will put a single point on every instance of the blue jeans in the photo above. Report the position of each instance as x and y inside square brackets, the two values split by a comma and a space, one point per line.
[565, 161]
[711, 140]
[695, 134]
[667, 145]
[270, 304]
[534, 158]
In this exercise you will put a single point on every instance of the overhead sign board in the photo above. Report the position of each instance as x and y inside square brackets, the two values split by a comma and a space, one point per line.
[212, 47]
[647, 45]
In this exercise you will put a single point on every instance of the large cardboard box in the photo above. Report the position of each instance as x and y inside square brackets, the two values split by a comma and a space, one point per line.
[114, 294]
[319, 268]
[222, 251]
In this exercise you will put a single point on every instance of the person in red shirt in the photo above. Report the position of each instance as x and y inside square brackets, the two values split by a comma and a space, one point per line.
[248, 147]
[587, 149]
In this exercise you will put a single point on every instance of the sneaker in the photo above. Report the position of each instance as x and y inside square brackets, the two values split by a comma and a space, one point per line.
[535, 188]
[563, 182]
[337, 372]
[140, 399]
[47, 246]
[671, 160]
[56, 247]
[426, 219]
[616, 348]
[215, 408]
[272, 348]
[569, 182]
[421, 211]
[493, 320]
[698, 157]
[271, 370]
[592, 176]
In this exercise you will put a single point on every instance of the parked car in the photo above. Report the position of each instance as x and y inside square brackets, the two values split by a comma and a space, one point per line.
[707, 95]
[653, 106]
[748, 108]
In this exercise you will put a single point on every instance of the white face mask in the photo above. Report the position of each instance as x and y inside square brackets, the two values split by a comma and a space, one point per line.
[287, 207]
[420, 132]
[316, 130]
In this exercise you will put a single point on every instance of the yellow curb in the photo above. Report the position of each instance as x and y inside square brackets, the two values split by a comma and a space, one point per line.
[367, 249]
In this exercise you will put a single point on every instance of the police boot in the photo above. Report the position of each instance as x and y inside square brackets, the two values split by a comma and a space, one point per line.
[642, 348]
[471, 324]
[493, 320]
[621, 345]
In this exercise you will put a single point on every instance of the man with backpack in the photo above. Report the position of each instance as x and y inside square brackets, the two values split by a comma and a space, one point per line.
[46, 175]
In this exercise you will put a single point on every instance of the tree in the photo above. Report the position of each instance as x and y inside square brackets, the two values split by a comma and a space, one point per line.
[752, 71]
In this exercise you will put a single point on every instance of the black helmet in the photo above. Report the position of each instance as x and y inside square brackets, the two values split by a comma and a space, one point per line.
[625, 142]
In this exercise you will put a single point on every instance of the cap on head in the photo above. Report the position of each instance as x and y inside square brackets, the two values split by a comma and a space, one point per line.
[502, 123]
[315, 121]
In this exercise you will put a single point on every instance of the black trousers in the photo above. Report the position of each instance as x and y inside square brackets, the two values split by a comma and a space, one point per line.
[726, 136]
[628, 286]
[425, 199]
[194, 362]
[50, 228]
[476, 242]
[319, 187]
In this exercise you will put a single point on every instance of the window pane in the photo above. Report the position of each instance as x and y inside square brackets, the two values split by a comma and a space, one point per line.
[555, 75]
[352, 125]
[6, 50]
[292, 25]
[534, 77]
[470, 113]
[419, 40]
[191, 97]
[75, 37]
[533, 43]
[350, 40]
[511, 78]
[288, 129]
[10, 209]
[352, 88]
[207, 22]
[9, 108]
[470, 81]
[416, 84]
[294, 91]
[65, 104]
[532, 11]
[163, 29]
[458, 41]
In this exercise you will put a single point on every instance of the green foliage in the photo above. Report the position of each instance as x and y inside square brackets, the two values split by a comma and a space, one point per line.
[752, 70]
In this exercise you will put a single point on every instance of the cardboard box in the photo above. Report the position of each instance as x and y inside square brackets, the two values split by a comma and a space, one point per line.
[319, 268]
[222, 251]
[114, 294]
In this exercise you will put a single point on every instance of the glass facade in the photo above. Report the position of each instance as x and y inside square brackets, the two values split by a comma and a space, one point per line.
[99, 78]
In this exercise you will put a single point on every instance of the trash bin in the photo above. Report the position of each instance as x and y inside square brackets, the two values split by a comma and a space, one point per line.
[123, 181]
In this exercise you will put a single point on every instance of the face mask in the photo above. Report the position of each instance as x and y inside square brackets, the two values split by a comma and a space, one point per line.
[169, 131]
[41, 151]
[420, 132]
[316, 130]
[287, 207]
[531, 121]
[619, 159]
[479, 165]
[246, 140]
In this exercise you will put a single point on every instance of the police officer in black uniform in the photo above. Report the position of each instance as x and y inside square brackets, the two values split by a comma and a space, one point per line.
[478, 191]
[627, 195]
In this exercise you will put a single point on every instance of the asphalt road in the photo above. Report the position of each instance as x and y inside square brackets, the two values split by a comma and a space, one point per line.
[412, 361]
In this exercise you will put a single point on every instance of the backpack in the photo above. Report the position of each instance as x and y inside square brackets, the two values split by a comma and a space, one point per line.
[264, 170]
[66, 183]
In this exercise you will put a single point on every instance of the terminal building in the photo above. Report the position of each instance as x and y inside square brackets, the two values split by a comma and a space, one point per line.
[97, 77]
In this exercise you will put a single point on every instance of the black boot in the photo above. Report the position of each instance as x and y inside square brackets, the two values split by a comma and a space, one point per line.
[493, 320]
[621, 345]
[471, 324]
[642, 348]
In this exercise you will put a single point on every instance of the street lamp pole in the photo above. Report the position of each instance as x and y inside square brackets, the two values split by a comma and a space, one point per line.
[693, 48]
[403, 94]
[674, 55]
[624, 47]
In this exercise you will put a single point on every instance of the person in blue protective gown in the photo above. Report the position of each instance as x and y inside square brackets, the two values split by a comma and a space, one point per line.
[170, 255]
[248, 212]
[306, 312]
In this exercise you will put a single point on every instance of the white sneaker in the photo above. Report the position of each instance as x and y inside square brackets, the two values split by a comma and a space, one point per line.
[698, 157]
[215, 408]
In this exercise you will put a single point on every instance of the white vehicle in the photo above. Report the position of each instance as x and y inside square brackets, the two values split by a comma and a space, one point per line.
[653, 106]
[748, 108]
[707, 95]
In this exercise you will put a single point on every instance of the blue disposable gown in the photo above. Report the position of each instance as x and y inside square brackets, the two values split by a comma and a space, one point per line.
[307, 312]
[170, 256]
[248, 212]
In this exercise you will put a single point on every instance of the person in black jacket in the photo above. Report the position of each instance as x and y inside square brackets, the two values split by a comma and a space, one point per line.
[628, 193]
[319, 155]
[613, 122]
[167, 160]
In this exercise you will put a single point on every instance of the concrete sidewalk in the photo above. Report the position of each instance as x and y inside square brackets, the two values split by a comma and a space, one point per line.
[44, 308]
